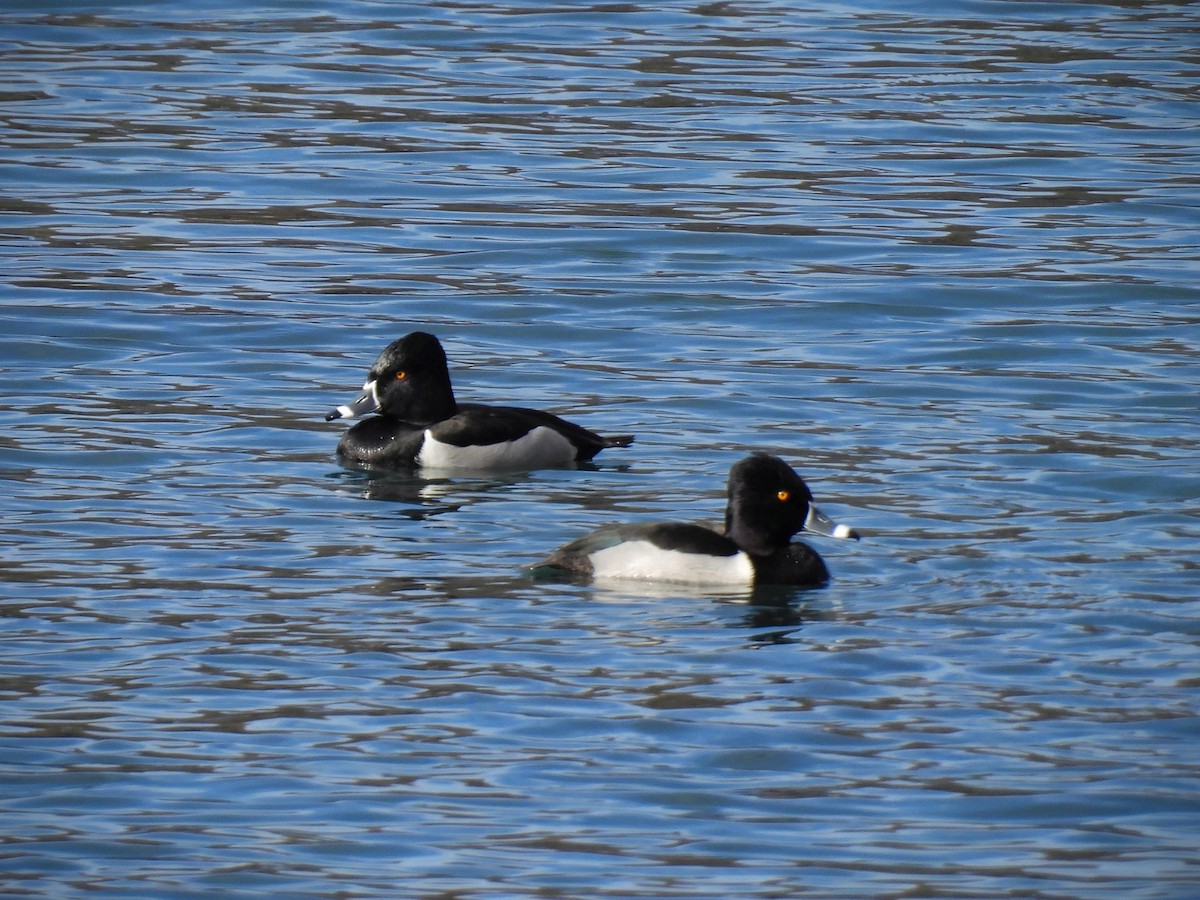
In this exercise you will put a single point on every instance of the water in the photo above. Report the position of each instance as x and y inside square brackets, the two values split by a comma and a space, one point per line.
[944, 262]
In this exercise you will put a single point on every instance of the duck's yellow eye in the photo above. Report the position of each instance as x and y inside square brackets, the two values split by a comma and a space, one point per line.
[400, 376]
[783, 496]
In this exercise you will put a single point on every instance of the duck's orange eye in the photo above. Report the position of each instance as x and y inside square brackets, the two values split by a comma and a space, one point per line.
[783, 496]
[400, 376]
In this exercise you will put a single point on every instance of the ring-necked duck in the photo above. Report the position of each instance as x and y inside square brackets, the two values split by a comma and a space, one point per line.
[421, 424]
[768, 503]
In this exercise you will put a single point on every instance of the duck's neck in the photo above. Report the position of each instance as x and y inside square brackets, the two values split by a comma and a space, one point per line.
[751, 540]
[431, 404]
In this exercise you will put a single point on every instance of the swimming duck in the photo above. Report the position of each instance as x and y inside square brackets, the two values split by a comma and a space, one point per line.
[421, 424]
[768, 503]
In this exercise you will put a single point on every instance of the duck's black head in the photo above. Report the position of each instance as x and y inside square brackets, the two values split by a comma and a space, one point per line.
[769, 503]
[409, 380]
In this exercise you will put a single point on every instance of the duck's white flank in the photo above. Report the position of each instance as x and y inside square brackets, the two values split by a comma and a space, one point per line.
[643, 560]
[541, 448]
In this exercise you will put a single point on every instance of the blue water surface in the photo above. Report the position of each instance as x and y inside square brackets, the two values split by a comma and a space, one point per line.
[942, 260]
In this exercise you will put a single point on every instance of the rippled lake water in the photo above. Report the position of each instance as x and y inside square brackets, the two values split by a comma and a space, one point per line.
[942, 260]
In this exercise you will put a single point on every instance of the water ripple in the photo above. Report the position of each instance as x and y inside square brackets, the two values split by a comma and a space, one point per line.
[942, 261]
